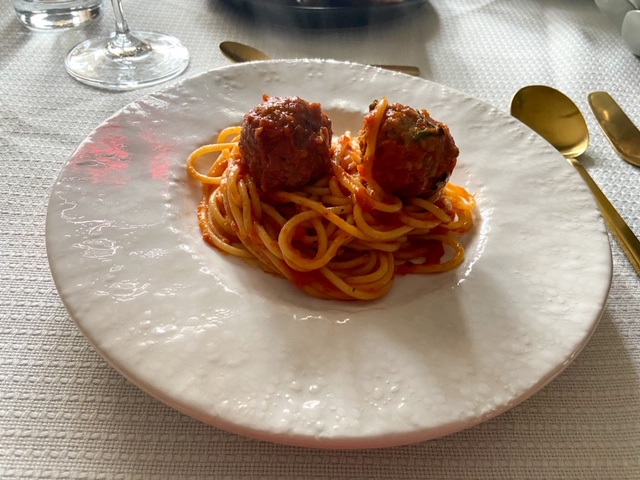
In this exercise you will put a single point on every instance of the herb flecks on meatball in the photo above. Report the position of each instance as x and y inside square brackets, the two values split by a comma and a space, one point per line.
[414, 154]
[286, 142]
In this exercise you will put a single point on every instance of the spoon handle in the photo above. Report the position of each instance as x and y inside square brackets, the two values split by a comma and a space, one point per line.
[408, 69]
[625, 236]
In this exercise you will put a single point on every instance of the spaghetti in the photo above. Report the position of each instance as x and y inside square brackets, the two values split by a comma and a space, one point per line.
[339, 237]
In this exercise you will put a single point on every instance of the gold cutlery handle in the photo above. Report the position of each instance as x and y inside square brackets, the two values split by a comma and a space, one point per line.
[623, 135]
[408, 69]
[625, 236]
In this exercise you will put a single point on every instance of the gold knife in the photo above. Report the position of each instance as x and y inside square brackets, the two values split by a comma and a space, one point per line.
[623, 135]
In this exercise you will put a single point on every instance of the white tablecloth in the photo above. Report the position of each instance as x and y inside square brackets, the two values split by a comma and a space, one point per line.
[65, 413]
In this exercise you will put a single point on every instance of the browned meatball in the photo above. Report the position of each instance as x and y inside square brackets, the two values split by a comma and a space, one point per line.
[286, 142]
[414, 154]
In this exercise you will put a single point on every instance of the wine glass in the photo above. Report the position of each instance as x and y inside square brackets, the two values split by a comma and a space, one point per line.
[127, 60]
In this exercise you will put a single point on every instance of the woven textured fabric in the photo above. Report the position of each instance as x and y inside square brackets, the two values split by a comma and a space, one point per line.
[65, 413]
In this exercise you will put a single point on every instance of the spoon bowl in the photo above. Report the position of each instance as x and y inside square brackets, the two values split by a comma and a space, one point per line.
[554, 116]
[558, 120]
[239, 52]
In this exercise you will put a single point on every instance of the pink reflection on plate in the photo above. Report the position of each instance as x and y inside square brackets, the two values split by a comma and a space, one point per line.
[104, 158]
[160, 160]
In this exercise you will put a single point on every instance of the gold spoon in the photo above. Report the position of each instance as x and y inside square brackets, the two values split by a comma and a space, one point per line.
[558, 120]
[239, 52]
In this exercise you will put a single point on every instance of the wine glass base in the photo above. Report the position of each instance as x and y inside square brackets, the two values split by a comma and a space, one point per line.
[91, 62]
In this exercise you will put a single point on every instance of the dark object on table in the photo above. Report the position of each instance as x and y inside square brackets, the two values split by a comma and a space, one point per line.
[326, 13]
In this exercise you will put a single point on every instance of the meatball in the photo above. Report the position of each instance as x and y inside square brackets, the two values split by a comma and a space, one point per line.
[414, 153]
[285, 142]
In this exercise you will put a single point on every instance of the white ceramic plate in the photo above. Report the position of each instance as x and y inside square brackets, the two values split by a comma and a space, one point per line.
[247, 352]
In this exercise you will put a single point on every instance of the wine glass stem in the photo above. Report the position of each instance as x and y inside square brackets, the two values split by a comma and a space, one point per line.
[121, 22]
[123, 44]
